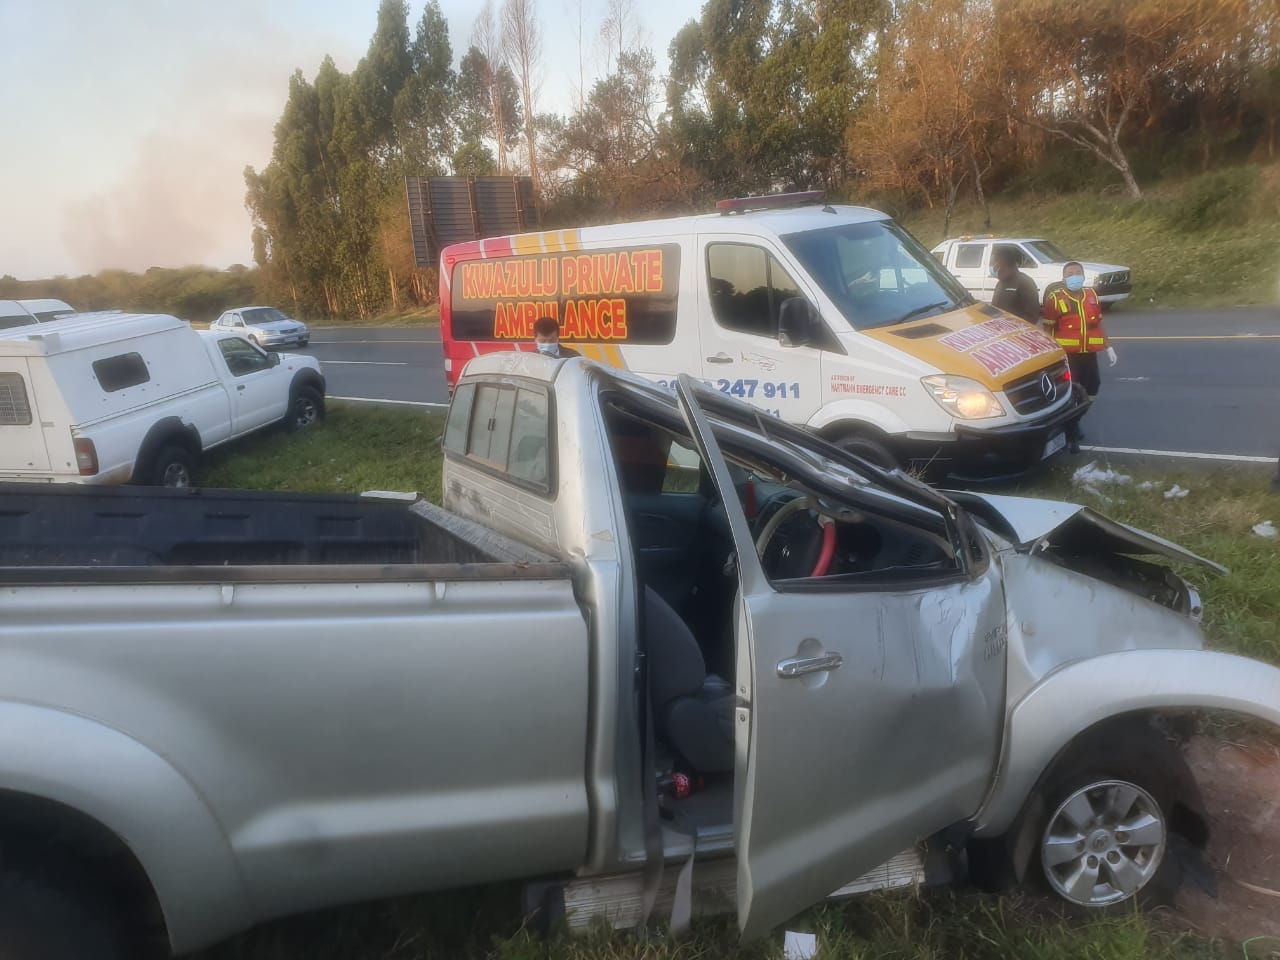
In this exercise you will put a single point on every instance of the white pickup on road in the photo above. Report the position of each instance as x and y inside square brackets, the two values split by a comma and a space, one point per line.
[121, 398]
[969, 260]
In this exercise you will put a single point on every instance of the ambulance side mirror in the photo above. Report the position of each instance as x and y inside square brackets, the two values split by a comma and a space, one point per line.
[795, 322]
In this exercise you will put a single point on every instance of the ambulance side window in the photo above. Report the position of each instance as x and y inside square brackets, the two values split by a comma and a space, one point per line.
[747, 286]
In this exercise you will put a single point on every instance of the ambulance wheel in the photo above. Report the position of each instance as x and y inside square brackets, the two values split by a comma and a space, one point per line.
[868, 448]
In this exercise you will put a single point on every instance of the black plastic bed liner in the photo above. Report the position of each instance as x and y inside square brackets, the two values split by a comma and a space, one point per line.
[44, 525]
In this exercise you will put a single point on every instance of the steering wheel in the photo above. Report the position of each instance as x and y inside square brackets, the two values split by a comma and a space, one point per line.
[784, 513]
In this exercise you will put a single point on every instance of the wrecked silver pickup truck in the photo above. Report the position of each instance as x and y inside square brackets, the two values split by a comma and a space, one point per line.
[647, 627]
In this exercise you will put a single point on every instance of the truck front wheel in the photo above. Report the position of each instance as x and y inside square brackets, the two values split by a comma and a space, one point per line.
[1112, 829]
[305, 408]
[41, 919]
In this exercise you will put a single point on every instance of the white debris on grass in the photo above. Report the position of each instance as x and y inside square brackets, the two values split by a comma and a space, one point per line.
[1176, 492]
[799, 946]
[1090, 478]
[1146, 485]
[1265, 529]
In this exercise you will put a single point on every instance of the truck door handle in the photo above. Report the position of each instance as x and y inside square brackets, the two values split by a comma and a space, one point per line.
[801, 666]
[720, 358]
[239, 386]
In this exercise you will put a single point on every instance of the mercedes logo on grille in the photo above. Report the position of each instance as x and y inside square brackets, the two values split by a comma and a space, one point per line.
[1048, 388]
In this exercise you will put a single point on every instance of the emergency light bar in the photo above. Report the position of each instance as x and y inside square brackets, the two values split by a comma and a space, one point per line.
[770, 202]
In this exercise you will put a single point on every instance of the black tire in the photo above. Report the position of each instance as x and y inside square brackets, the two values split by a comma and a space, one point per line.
[43, 919]
[173, 466]
[870, 449]
[306, 407]
[1144, 763]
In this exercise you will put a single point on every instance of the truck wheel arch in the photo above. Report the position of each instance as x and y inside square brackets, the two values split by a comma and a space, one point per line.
[306, 377]
[852, 414]
[1090, 701]
[86, 863]
[171, 431]
[1075, 698]
[113, 796]
[999, 862]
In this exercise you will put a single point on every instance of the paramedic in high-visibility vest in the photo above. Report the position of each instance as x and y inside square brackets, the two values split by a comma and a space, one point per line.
[1073, 316]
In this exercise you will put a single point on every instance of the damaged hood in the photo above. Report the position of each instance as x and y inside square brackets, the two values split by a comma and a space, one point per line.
[1030, 521]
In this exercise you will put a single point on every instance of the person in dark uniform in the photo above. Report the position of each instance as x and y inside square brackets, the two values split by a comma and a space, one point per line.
[1015, 292]
[546, 337]
[1073, 316]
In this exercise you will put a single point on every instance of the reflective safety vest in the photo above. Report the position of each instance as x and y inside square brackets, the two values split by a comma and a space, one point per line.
[1076, 320]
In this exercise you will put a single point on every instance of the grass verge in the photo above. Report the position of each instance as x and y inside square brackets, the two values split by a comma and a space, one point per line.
[942, 925]
[355, 448]
[424, 317]
[360, 448]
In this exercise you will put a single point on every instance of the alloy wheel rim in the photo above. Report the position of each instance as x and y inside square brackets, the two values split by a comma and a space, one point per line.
[176, 475]
[1103, 843]
[304, 412]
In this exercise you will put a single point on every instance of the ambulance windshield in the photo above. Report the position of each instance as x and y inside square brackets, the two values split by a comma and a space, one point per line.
[876, 273]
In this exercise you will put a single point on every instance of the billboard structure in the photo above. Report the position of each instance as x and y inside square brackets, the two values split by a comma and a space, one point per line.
[446, 210]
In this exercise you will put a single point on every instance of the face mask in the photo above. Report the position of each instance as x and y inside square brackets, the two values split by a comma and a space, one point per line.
[995, 271]
[1074, 283]
[550, 349]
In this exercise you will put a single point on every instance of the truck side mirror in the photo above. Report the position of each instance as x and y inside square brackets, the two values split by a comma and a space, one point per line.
[273, 359]
[795, 322]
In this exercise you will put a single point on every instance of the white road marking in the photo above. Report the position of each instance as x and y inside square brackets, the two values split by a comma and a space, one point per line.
[401, 403]
[367, 363]
[1200, 336]
[1184, 455]
[1133, 379]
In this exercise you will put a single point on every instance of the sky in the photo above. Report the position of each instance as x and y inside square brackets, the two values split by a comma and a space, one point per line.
[129, 124]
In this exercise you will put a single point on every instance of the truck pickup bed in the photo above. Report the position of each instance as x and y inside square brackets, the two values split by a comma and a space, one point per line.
[43, 526]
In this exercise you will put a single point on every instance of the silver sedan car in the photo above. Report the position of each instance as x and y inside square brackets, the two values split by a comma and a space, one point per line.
[265, 326]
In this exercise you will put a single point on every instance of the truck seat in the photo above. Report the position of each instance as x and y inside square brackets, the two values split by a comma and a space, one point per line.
[692, 709]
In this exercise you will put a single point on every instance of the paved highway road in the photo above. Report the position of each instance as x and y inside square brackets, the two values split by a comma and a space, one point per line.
[1204, 381]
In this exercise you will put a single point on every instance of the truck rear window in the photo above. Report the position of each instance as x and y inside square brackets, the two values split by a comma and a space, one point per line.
[121, 371]
[504, 428]
[15, 411]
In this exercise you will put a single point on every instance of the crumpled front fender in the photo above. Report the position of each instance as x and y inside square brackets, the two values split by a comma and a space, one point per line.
[1079, 695]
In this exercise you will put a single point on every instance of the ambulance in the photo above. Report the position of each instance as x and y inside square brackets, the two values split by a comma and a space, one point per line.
[829, 316]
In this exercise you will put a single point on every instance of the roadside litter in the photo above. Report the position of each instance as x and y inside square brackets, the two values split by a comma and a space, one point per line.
[1176, 491]
[1265, 529]
[799, 946]
[1091, 479]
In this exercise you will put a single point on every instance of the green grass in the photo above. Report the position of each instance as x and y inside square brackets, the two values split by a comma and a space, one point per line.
[359, 448]
[1204, 241]
[355, 448]
[941, 925]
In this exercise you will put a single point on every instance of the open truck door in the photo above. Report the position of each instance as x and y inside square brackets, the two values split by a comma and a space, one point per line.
[868, 715]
